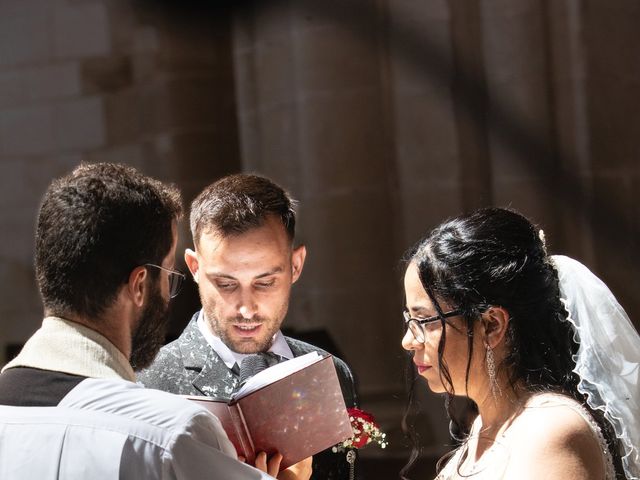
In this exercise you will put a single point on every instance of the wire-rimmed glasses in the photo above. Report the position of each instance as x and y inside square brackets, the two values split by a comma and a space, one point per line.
[175, 279]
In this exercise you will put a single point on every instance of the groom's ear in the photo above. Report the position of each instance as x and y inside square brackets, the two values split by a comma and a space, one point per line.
[191, 259]
[297, 261]
[495, 322]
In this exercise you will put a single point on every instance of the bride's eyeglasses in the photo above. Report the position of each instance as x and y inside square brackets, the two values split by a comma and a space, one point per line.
[175, 279]
[419, 325]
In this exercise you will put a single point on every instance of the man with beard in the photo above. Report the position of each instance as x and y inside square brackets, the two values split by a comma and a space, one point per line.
[70, 407]
[244, 263]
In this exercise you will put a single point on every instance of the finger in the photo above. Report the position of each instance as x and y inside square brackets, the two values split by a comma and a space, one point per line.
[261, 462]
[242, 459]
[274, 464]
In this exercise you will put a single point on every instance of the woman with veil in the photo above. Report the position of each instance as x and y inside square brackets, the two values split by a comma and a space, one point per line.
[539, 346]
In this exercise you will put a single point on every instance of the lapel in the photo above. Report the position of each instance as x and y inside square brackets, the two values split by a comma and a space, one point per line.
[299, 348]
[213, 378]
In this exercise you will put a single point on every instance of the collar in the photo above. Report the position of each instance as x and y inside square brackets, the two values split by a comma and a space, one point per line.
[65, 346]
[231, 358]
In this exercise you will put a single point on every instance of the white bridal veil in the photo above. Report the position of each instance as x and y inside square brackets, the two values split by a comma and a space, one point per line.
[608, 359]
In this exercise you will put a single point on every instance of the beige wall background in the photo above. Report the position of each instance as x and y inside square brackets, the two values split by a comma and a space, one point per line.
[383, 117]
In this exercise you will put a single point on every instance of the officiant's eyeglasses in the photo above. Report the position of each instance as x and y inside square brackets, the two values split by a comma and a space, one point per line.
[175, 279]
[418, 325]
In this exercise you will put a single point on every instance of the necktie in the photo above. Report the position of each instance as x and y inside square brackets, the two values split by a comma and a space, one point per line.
[256, 363]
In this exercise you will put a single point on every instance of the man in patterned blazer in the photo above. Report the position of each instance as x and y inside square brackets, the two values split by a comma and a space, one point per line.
[244, 263]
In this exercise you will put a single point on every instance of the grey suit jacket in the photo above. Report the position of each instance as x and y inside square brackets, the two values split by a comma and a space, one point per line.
[189, 366]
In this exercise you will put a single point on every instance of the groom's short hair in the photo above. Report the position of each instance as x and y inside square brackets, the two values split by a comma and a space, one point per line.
[237, 203]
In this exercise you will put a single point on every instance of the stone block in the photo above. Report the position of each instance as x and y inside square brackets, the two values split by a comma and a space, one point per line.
[343, 141]
[124, 116]
[425, 139]
[81, 30]
[205, 153]
[277, 128]
[80, 124]
[19, 296]
[145, 40]
[13, 8]
[28, 86]
[27, 131]
[12, 89]
[144, 67]
[426, 206]
[18, 225]
[269, 72]
[106, 74]
[534, 198]
[336, 58]
[351, 235]
[364, 323]
[54, 81]
[24, 38]
[194, 47]
[131, 154]
[12, 185]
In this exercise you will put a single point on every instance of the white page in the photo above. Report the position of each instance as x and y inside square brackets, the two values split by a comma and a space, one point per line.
[277, 372]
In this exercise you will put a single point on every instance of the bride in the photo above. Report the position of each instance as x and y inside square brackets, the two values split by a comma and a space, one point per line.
[539, 345]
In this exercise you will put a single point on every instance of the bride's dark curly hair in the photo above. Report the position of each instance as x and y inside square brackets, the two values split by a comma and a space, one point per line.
[495, 256]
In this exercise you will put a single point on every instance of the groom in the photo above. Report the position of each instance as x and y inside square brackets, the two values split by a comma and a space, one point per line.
[244, 263]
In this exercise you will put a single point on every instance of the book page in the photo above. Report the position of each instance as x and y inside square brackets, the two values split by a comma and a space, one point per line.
[275, 373]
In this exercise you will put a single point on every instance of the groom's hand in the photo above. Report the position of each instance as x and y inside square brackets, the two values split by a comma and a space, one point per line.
[300, 471]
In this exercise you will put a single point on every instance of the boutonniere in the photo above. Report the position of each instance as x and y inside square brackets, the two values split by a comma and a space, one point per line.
[365, 431]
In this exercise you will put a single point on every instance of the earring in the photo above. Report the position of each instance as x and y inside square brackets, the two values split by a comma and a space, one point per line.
[491, 370]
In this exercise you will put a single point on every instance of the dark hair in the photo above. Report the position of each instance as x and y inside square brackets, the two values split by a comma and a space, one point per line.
[496, 256]
[237, 203]
[95, 225]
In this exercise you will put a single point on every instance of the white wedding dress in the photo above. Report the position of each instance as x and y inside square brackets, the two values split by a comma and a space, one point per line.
[494, 461]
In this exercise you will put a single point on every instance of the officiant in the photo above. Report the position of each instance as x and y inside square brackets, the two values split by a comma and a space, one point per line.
[244, 262]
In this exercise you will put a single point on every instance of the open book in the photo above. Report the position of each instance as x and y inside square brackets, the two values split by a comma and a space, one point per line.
[295, 408]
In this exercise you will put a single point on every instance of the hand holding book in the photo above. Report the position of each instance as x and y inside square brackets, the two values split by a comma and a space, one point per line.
[299, 471]
[295, 408]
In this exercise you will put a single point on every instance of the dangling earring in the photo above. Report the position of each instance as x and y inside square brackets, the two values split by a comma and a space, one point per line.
[491, 370]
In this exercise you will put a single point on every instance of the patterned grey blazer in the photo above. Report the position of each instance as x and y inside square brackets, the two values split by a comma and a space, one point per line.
[189, 366]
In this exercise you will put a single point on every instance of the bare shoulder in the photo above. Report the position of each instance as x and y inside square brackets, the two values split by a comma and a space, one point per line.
[551, 439]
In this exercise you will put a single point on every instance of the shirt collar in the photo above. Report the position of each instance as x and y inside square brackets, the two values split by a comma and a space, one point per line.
[65, 346]
[231, 358]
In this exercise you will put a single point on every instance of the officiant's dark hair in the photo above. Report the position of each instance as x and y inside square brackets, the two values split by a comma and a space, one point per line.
[237, 203]
[496, 256]
[95, 225]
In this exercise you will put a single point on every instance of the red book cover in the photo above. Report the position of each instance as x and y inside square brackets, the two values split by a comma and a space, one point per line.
[298, 415]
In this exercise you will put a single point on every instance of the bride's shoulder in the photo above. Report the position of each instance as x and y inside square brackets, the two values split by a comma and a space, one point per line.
[553, 412]
[554, 435]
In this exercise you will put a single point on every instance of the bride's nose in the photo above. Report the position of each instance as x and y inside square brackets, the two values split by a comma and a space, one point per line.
[409, 342]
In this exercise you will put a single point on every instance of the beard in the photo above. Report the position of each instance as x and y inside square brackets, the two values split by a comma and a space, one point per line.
[223, 328]
[255, 345]
[149, 334]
